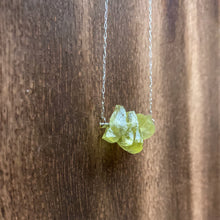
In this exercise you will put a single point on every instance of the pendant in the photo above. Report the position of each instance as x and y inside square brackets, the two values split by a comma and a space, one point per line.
[128, 129]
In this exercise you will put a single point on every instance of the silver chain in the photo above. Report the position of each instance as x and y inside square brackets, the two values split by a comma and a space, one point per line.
[150, 57]
[105, 55]
[104, 63]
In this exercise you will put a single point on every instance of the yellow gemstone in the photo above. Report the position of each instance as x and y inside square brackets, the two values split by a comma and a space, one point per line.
[146, 125]
[136, 146]
[128, 129]
[118, 122]
[127, 139]
[109, 136]
[132, 119]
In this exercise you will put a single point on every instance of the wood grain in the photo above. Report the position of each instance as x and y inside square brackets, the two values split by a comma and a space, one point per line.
[53, 163]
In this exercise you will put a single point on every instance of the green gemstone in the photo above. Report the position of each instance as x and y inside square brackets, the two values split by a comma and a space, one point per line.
[146, 125]
[109, 136]
[137, 145]
[134, 148]
[128, 129]
[118, 122]
[127, 139]
[138, 138]
[132, 119]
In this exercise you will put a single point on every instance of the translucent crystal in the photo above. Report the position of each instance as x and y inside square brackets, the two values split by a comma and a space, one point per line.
[132, 119]
[138, 139]
[118, 122]
[109, 136]
[136, 146]
[129, 129]
[146, 124]
[127, 139]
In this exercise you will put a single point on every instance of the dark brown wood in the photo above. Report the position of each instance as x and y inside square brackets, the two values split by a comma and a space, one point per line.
[53, 163]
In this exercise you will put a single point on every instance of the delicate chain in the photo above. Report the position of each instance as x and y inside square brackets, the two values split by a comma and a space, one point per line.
[105, 55]
[104, 62]
[150, 56]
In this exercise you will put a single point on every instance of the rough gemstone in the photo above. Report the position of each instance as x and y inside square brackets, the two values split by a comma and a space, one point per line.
[127, 139]
[134, 148]
[109, 136]
[138, 139]
[118, 122]
[129, 129]
[132, 119]
[146, 124]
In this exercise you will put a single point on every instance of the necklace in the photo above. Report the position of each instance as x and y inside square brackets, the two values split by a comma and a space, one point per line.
[127, 129]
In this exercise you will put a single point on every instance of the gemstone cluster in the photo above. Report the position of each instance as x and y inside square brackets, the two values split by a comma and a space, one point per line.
[128, 129]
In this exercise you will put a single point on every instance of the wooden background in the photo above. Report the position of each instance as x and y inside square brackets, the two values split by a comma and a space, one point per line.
[53, 163]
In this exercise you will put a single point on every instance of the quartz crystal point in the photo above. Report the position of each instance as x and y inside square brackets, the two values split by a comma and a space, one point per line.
[129, 129]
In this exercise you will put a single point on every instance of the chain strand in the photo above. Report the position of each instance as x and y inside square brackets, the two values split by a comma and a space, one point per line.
[105, 55]
[104, 62]
[150, 57]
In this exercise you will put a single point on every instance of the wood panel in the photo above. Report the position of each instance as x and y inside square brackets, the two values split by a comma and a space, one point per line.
[53, 163]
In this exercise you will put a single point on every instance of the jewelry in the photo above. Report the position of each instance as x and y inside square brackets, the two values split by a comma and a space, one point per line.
[127, 129]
